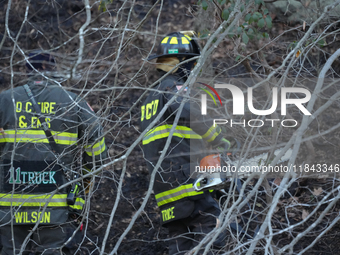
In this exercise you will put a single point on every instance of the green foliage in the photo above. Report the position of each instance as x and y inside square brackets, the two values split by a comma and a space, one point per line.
[204, 5]
[321, 43]
[204, 33]
[256, 21]
[248, 17]
[260, 23]
[103, 3]
[245, 38]
[256, 16]
[292, 45]
[225, 14]
[237, 58]
[239, 30]
[259, 2]
[251, 33]
[309, 42]
[269, 22]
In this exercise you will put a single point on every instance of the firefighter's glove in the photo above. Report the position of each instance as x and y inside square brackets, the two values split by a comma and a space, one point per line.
[223, 145]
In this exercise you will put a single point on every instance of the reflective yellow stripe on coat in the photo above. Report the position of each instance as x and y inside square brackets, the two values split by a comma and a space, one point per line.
[178, 193]
[164, 131]
[39, 200]
[95, 149]
[36, 136]
[180, 131]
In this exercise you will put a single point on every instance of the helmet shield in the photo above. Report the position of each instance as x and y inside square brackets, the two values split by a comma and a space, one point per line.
[177, 44]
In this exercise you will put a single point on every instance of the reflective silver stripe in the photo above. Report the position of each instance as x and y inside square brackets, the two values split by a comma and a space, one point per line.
[31, 200]
[66, 138]
[37, 136]
[176, 194]
[96, 149]
[23, 136]
[39, 200]
[211, 135]
[78, 202]
[164, 131]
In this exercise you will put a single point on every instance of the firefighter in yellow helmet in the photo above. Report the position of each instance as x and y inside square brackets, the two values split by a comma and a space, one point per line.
[188, 215]
[43, 128]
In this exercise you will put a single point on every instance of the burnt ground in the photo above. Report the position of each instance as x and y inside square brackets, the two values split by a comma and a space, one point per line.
[146, 235]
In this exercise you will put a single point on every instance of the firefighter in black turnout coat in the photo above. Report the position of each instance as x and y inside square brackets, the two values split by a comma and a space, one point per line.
[33, 166]
[183, 210]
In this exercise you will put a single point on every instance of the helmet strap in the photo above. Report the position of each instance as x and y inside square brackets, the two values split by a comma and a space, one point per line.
[185, 69]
